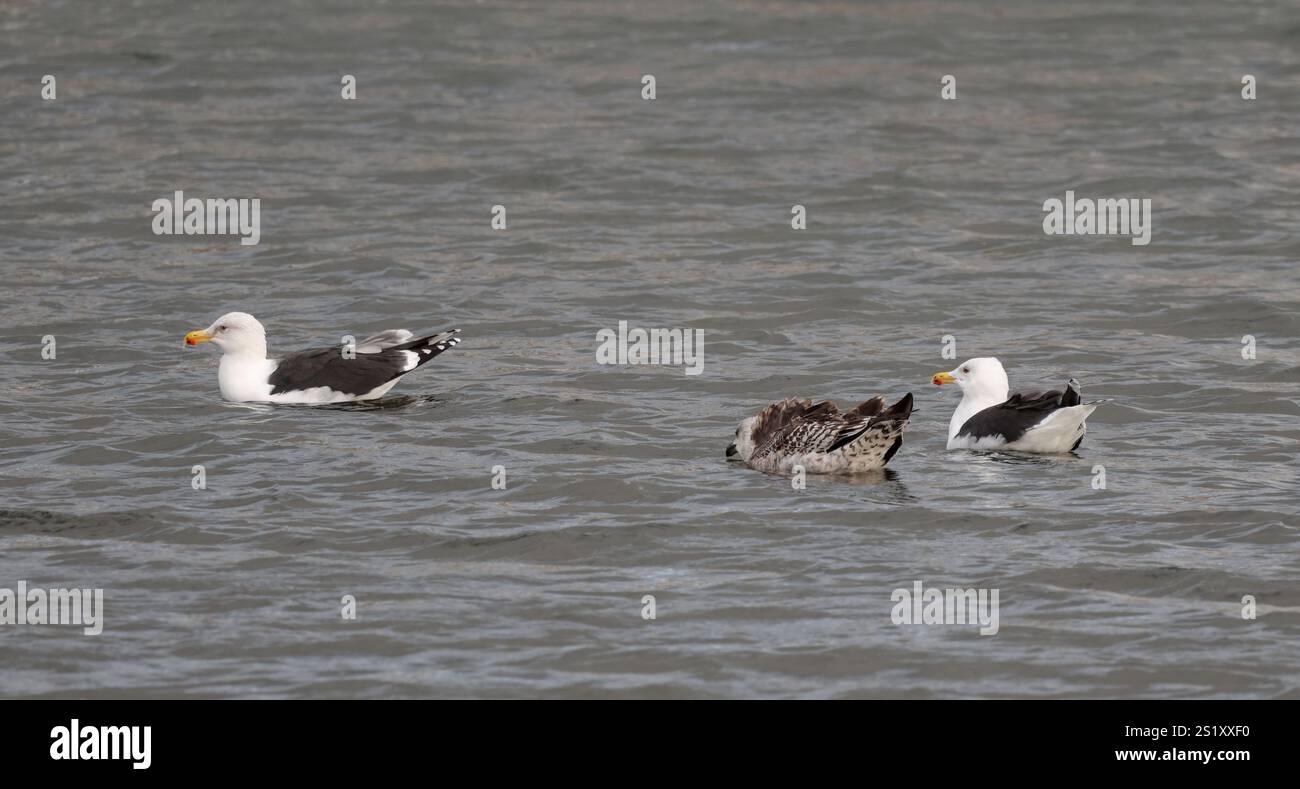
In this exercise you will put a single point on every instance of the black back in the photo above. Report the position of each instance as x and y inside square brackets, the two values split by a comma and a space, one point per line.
[328, 367]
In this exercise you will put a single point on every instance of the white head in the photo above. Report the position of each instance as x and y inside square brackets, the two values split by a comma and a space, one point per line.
[743, 447]
[235, 333]
[981, 379]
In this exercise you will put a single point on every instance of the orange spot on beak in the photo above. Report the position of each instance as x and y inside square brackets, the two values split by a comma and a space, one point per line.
[940, 379]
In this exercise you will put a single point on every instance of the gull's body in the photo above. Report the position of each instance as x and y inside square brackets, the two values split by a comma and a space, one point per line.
[821, 439]
[318, 376]
[989, 418]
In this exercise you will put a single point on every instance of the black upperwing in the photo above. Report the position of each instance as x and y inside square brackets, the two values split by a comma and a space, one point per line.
[358, 373]
[1013, 418]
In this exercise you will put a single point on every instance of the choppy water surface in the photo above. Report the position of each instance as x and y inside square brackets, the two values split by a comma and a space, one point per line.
[923, 221]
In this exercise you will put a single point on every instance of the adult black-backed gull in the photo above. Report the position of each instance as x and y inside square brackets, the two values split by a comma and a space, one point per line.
[821, 439]
[318, 376]
[986, 418]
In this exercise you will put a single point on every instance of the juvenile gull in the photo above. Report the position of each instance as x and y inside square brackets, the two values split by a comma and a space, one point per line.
[317, 376]
[986, 418]
[818, 437]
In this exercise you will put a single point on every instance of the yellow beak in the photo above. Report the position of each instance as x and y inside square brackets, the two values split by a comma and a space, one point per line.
[940, 379]
[197, 336]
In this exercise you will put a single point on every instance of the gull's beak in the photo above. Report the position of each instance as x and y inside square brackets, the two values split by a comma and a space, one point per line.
[940, 379]
[197, 336]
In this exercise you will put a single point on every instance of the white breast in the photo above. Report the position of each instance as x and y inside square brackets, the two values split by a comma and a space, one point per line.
[244, 380]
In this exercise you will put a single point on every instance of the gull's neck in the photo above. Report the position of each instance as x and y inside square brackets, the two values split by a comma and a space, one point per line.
[242, 375]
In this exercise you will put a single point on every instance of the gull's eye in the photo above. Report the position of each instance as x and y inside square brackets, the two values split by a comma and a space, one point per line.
[221, 328]
[965, 369]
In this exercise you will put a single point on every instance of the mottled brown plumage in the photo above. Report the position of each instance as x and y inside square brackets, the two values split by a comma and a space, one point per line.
[821, 438]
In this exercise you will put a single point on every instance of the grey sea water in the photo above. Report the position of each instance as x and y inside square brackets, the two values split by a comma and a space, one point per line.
[924, 220]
